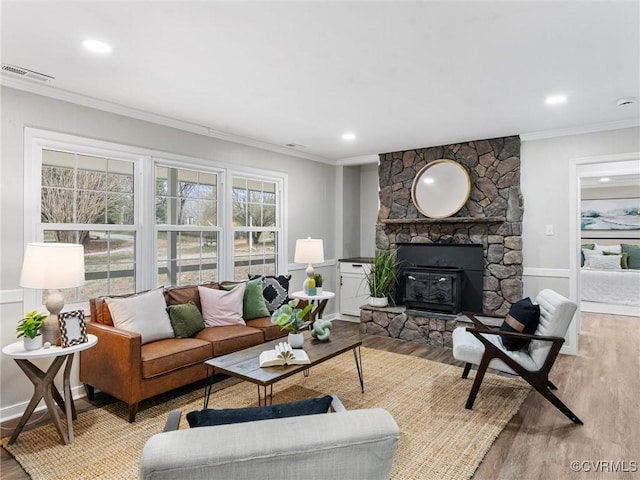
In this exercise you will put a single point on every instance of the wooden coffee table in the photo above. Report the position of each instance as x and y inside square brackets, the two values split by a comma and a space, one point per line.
[245, 365]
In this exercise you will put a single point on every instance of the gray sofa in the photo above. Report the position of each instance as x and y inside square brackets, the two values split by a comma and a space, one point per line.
[353, 444]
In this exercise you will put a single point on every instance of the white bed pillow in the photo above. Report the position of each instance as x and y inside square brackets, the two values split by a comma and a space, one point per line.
[222, 307]
[607, 248]
[605, 262]
[588, 254]
[145, 313]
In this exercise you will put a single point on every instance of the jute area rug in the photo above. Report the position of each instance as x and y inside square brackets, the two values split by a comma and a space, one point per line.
[440, 439]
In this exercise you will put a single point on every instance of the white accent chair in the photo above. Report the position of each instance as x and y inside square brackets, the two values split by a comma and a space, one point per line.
[483, 347]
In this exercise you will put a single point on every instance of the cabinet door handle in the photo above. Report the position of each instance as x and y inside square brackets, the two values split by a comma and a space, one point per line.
[356, 265]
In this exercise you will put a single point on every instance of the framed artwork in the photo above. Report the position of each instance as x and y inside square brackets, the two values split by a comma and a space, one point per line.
[610, 214]
[73, 330]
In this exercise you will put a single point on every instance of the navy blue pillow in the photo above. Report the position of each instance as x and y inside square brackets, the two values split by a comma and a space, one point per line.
[523, 317]
[209, 417]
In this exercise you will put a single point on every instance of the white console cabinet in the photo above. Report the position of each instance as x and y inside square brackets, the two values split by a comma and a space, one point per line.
[354, 291]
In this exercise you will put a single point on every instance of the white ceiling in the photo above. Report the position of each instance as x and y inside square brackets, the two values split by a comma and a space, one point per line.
[399, 75]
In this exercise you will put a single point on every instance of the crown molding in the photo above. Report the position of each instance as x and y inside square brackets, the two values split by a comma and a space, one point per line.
[111, 107]
[564, 132]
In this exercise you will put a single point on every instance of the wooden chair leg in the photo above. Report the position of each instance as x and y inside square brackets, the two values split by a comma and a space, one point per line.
[482, 369]
[465, 372]
[546, 393]
[133, 410]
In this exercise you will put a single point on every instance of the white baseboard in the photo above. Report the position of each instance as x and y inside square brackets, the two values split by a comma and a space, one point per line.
[608, 308]
[16, 411]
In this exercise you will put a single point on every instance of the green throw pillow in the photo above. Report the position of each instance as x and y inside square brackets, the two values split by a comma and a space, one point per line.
[253, 304]
[186, 319]
[623, 258]
[633, 255]
[587, 246]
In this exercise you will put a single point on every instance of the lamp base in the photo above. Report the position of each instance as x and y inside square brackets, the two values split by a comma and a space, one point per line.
[51, 328]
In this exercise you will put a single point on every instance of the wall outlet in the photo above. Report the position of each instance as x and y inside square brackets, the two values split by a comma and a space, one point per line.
[549, 229]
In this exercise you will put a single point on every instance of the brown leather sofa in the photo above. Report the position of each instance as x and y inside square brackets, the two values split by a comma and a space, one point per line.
[122, 367]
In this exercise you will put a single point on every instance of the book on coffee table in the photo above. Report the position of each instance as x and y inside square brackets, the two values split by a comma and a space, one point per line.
[283, 354]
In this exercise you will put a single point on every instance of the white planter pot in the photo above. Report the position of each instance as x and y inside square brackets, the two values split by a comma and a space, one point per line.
[378, 301]
[296, 340]
[318, 290]
[32, 343]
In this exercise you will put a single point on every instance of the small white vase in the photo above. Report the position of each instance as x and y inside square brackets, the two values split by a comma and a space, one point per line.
[296, 340]
[378, 301]
[318, 290]
[32, 343]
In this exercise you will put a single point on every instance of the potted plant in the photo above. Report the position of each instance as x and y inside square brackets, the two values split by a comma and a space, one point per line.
[381, 278]
[29, 328]
[318, 278]
[288, 317]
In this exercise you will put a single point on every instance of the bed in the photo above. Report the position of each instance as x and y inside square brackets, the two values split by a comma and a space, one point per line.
[621, 287]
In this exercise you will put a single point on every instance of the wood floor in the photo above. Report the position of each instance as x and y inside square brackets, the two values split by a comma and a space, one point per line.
[601, 385]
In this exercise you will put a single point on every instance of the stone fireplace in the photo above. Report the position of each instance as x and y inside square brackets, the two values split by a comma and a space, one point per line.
[491, 218]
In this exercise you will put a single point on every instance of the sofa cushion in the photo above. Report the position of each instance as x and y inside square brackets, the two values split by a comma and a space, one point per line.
[222, 307]
[275, 290]
[271, 331]
[165, 356]
[186, 319]
[144, 313]
[183, 294]
[253, 303]
[230, 338]
[210, 417]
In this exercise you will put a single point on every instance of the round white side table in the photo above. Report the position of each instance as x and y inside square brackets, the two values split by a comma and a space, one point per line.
[43, 385]
[320, 301]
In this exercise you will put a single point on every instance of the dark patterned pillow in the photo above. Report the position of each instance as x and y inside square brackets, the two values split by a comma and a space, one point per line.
[274, 289]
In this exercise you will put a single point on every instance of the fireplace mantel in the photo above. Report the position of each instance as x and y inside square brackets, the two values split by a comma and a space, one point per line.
[407, 221]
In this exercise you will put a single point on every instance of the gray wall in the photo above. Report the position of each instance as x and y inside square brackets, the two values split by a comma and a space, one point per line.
[369, 204]
[311, 207]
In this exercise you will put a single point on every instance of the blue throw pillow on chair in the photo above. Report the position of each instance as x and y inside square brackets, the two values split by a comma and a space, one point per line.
[209, 417]
[523, 317]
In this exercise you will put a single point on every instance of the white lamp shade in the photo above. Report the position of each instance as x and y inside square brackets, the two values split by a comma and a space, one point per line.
[52, 266]
[309, 250]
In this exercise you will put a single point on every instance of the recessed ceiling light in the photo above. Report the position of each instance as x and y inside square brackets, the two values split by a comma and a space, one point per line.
[97, 46]
[349, 136]
[555, 99]
[604, 179]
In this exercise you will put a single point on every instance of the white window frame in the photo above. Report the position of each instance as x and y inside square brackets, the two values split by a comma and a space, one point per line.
[144, 159]
[199, 167]
[280, 180]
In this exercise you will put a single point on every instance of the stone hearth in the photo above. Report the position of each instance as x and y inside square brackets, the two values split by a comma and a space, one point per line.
[423, 327]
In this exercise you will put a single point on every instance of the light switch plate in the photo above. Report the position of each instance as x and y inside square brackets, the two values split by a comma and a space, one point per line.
[549, 229]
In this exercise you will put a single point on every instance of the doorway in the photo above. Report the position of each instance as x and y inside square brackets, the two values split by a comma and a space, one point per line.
[584, 172]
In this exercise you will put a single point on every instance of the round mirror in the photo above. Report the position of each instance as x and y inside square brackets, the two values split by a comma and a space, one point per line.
[441, 188]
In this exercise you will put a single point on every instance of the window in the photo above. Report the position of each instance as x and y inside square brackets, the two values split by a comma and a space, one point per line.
[187, 235]
[91, 200]
[256, 232]
[149, 218]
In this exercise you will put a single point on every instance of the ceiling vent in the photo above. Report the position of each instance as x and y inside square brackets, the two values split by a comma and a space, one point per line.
[26, 73]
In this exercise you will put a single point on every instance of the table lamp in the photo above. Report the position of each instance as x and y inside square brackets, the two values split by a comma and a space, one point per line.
[309, 250]
[52, 266]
